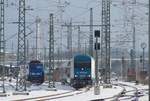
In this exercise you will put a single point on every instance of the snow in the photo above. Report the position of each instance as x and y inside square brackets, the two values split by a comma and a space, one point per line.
[87, 96]
[139, 86]
[41, 90]
[143, 98]
[35, 91]
[142, 88]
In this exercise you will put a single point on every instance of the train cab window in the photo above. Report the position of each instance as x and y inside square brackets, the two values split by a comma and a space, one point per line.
[39, 67]
[79, 65]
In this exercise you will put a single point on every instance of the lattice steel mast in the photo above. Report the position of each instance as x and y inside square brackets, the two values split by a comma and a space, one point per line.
[2, 41]
[133, 61]
[149, 48]
[21, 55]
[105, 40]
[51, 52]
[69, 43]
[69, 38]
[79, 39]
[38, 37]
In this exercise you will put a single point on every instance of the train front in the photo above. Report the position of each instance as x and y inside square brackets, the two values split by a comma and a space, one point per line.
[82, 71]
[36, 72]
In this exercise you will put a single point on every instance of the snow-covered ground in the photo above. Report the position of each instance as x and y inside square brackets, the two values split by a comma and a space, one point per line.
[41, 90]
[143, 89]
[87, 96]
[139, 86]
[34, 91]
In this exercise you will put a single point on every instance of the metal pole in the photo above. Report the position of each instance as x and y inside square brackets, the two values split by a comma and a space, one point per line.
[60, 8]
[70, 37]
[79, 39]
[105, 40]
[17, 71]
[51, 52]
[36, 53]
[122, 67]
[44, 58]
[91, 33]
[85, 48]
[2, 41]
[4, 70]
[143, 59]
[21, 55]
[96, 64]
[96, 87]
[25, 86]
[27, 51]
[134, 37]
[149, 48]
[38, 20]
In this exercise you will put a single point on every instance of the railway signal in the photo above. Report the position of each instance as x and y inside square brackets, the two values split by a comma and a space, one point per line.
[97, 47]
[51, 83]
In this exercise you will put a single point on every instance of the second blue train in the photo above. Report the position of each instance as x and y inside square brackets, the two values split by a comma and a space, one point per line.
[82, 72]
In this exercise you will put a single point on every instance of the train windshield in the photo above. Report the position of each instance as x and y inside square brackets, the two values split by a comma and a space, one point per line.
[39, 67]
[36, 66]
[36, 69]
[82, 70]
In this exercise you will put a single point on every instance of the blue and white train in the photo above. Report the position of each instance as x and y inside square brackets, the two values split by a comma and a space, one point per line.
[82, 72]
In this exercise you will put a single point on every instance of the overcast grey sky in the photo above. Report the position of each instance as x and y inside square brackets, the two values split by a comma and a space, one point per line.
[78, 10]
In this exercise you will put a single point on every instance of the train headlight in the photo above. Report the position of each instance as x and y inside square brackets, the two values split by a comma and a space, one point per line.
[89, 75]
[75, 76]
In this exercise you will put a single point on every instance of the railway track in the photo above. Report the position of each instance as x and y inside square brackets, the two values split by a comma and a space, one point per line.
[132, 94]
[113, 98]
[55, 96]
[128, 93]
